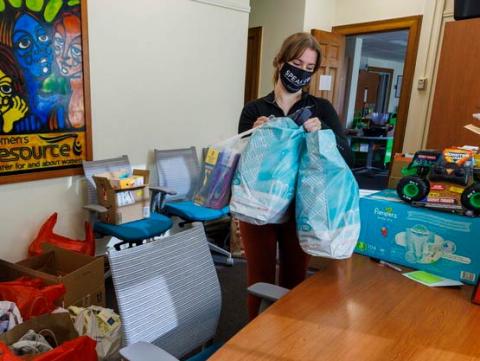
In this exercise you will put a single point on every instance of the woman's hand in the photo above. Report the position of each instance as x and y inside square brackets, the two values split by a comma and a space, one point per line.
[312, 125]
[260, 121]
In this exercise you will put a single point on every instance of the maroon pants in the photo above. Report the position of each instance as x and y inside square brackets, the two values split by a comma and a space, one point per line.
[260, 243]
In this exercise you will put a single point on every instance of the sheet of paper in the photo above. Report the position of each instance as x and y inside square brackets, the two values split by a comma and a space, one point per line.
[431, 280]
[473, 128]
[363, 147]
[325, 82]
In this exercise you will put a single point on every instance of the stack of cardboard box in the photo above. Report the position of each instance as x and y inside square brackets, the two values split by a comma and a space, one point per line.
[127, 199]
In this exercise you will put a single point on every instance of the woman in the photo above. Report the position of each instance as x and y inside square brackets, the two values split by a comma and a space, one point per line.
[295, 64]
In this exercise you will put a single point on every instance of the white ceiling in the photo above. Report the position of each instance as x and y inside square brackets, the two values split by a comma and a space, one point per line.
[389, 46]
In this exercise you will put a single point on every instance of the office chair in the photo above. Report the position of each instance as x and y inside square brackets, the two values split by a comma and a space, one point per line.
[169, 296]
[179, 177]
[132, 233]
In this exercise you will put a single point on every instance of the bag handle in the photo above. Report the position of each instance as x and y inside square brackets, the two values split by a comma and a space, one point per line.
[235, 137]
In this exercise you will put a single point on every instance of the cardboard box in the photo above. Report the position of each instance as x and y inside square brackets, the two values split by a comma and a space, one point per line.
[59, 323]
[128, 213]
[127, 204]
[441, 243]
[82, 275]
[399, 162]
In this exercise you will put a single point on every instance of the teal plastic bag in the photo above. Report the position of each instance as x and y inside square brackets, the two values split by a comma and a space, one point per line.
[264, 184]
[327, 201]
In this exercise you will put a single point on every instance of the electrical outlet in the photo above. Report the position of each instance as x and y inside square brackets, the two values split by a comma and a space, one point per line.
[422, 84]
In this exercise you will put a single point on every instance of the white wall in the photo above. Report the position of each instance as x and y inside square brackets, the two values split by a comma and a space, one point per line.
[164, 74]
[397, 70]
[279, 19]
[354, 11]
[319, 14]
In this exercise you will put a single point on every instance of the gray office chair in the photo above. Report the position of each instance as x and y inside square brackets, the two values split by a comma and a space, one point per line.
[169, 296]
[179, 177]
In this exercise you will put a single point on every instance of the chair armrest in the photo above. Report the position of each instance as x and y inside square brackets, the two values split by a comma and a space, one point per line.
[162, 190]
[267, 291]
[95, 208]
[144, 351]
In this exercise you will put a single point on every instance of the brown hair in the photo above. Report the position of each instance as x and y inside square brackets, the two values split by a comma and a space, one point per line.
[292, 48]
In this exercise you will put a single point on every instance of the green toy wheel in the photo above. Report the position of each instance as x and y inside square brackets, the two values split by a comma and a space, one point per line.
[412, 189]
[471, 198]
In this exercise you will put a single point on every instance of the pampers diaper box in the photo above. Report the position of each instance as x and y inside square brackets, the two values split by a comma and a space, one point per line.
[441, 243]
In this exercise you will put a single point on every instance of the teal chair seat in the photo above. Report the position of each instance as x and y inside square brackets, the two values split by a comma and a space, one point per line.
[139, 230]
[189, 211]
[205, 354]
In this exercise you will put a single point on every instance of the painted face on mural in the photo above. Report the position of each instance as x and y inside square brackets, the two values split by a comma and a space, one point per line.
[12, 106]
[68, 46]
[31, 43]
[6, 92]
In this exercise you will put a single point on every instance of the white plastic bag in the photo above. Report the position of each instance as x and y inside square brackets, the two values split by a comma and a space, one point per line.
[9, 316]
[102, 325]
[327, 203]
[219, 166]
[264, 184]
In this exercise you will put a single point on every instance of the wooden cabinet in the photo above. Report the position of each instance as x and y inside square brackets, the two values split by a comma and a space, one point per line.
[457, 92]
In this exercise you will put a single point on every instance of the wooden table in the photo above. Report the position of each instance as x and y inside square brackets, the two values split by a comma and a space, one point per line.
[358, 310]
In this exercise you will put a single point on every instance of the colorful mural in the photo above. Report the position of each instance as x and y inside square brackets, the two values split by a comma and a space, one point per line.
[43, 123]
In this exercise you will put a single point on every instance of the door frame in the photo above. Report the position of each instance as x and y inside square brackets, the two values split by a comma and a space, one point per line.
[413, 24]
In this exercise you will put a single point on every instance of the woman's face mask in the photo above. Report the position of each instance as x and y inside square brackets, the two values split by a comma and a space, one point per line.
[293, 78]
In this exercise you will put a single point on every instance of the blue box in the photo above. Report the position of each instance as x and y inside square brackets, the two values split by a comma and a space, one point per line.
[441, 243]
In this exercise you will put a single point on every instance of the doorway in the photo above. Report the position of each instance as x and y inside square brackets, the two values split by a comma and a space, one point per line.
[252, 74]
[375, 69]
[371, 88]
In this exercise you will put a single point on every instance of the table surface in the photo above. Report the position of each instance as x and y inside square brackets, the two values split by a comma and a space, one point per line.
[360, 310]
[361, 137]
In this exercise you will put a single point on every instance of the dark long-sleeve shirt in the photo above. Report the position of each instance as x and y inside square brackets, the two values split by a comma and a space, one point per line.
[321, 108]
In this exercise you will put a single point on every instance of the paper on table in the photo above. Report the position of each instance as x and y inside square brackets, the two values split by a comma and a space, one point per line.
[473, 128]
[431, 280]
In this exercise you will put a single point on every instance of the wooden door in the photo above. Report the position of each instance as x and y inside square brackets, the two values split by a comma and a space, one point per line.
[367, 82]
[457, 92]
[333, 65]
[252, 75]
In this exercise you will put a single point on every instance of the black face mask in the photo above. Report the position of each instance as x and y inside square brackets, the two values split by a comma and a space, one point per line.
[293, 78]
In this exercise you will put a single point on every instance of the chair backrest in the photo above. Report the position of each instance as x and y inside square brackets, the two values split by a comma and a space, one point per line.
[179, 170]
[168, 291]
[90, 168]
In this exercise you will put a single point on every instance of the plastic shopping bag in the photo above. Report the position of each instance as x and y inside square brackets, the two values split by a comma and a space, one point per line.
[101, 324]
[264, 184]
[327, 202]
[9, 316]
[219, 166]
[46, 235]
[31, 296]
[79, 349]
[6, 354]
